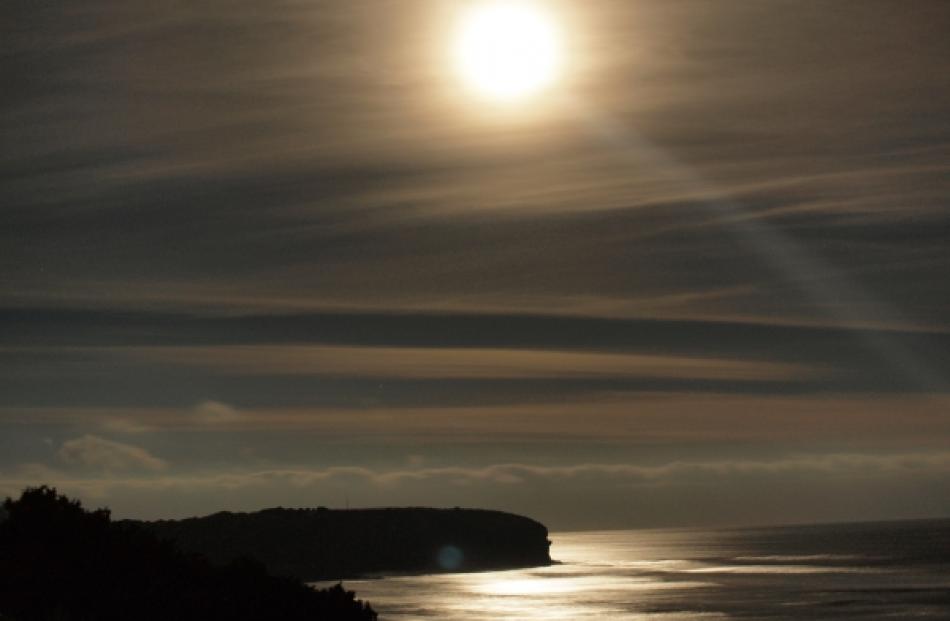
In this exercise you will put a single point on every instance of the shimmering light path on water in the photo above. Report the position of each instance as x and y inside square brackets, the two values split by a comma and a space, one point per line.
[871, 571]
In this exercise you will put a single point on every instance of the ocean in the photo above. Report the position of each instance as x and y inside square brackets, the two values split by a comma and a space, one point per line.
[893, 570]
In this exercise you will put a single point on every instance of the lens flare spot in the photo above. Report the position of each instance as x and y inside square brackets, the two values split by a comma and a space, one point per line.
[450, 558]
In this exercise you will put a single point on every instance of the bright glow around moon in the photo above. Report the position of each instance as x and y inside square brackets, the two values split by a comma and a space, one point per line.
[508, 50]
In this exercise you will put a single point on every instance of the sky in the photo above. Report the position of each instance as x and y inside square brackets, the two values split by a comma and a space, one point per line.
[276, 253]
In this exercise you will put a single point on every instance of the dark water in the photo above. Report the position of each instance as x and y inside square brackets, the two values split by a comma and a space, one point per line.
[898, 570]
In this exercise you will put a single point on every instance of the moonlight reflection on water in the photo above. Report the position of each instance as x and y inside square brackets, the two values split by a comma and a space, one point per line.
[828, 572]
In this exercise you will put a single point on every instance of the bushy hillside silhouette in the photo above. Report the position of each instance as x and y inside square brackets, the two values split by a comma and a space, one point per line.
[61, 562]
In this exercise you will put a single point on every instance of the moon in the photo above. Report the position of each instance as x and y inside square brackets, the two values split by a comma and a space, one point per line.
[508, 50]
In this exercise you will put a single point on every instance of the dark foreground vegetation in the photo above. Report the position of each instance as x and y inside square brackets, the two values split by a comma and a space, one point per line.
[61, 562]
[326, 544]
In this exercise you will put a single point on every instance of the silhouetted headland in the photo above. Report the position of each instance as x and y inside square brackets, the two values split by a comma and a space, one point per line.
[59, 561]
[326, 544]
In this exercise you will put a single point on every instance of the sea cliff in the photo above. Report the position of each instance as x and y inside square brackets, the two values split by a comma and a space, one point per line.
[325, 544]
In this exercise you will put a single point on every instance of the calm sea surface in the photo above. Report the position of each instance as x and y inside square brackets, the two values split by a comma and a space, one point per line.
[898, 570]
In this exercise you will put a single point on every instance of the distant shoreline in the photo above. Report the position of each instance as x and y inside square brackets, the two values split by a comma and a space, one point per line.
[731, 527]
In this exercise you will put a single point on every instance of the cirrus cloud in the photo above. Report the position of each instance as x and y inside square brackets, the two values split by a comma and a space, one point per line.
[108, 455]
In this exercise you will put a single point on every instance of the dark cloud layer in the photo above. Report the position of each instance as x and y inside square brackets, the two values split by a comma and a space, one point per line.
[735, 207]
